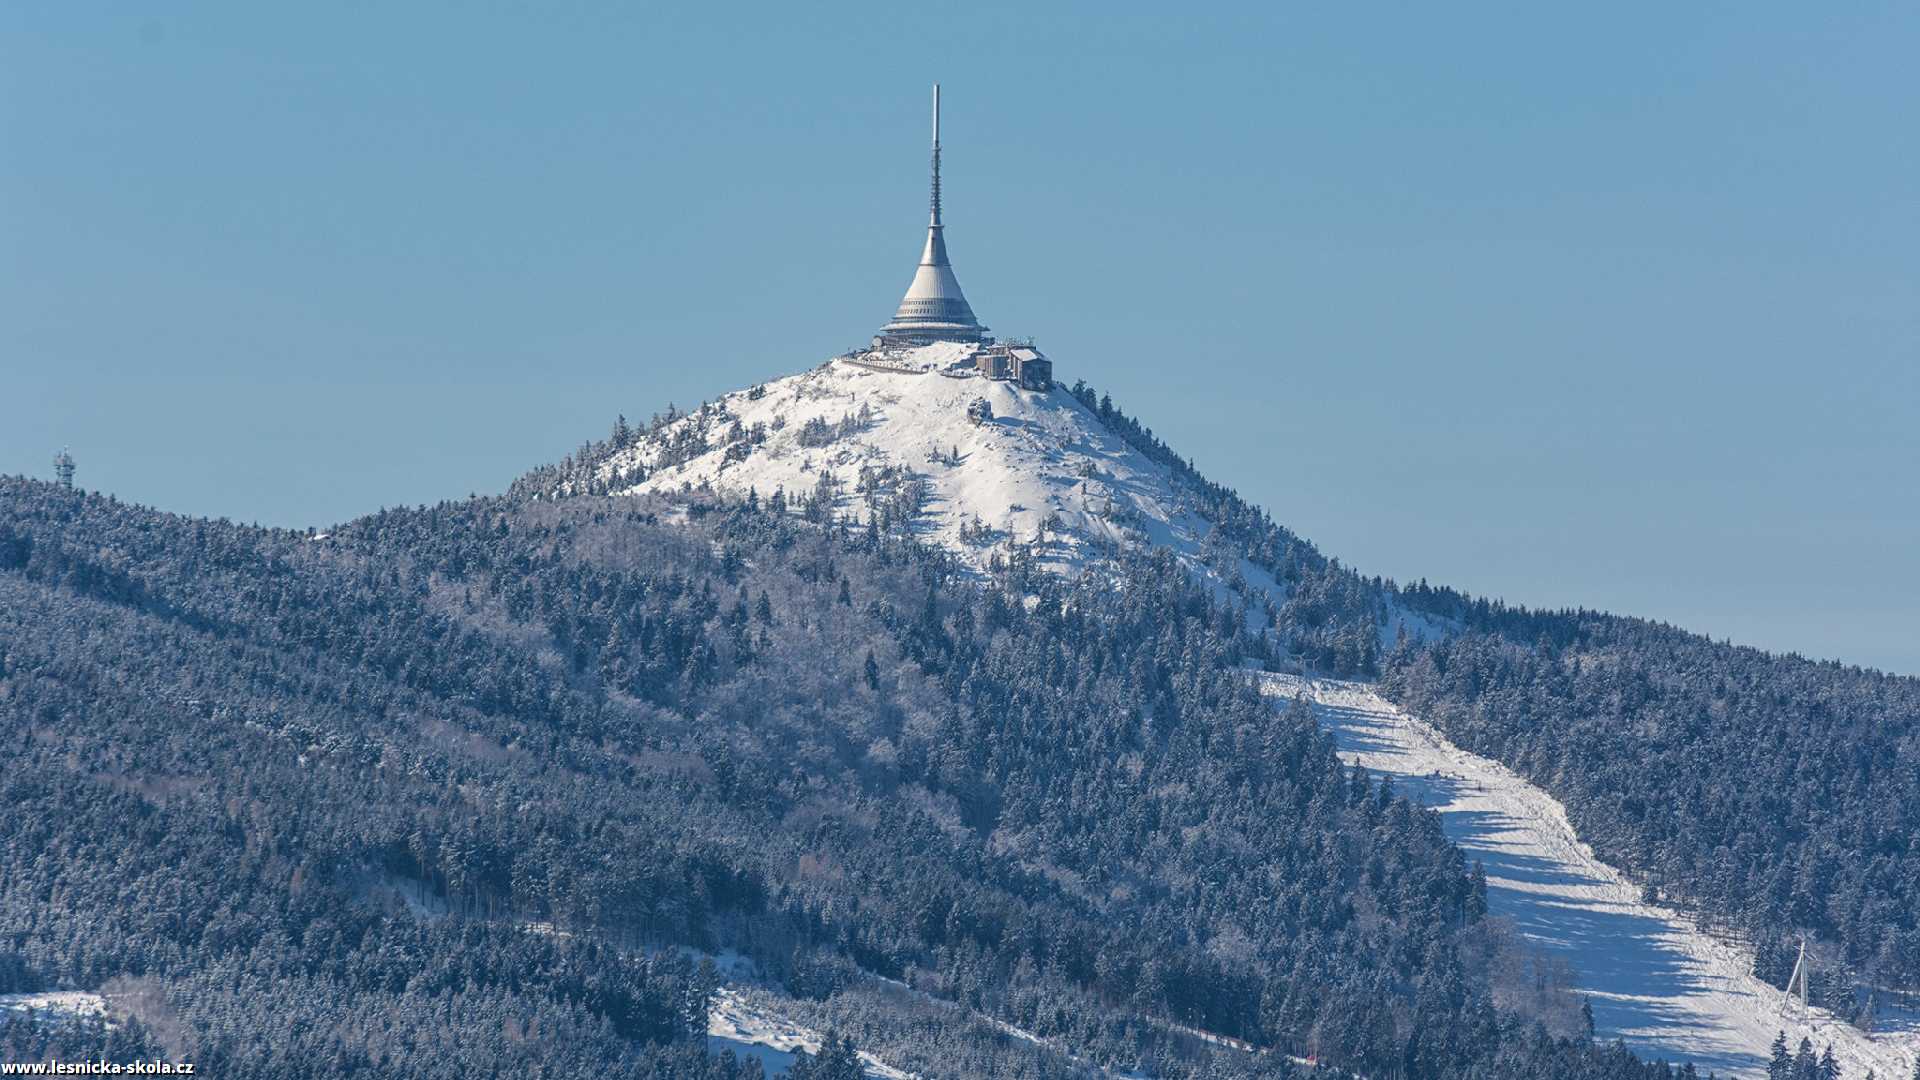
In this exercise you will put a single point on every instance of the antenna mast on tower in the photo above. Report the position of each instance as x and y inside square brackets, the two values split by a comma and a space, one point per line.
[63, 468]
[936, 153]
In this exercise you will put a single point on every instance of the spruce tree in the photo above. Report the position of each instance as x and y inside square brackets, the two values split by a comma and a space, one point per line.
[1780, 1063]
[1477, 905]
[1805, 1065]
[837, 1060]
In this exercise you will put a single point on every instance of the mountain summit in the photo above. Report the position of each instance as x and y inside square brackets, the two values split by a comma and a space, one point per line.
[919, 439]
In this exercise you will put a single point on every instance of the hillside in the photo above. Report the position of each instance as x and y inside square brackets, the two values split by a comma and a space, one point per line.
[455, 789]
[1657, 979]
[1816, 763]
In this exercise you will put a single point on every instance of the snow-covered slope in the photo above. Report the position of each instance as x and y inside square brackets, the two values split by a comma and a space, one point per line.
[54, 1005]
[1655, 979]
[752, 1026]
[895, 437]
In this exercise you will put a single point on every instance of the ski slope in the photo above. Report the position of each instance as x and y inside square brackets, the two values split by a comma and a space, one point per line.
[1656, 981]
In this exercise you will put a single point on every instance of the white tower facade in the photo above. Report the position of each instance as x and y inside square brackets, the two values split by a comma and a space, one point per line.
[934, 308]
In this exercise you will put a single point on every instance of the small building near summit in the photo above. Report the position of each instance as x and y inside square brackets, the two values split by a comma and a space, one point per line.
[1031, 369]
[1019, 363]
[994, 363]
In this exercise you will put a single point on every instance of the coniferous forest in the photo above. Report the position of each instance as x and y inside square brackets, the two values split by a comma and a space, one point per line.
[472, 788]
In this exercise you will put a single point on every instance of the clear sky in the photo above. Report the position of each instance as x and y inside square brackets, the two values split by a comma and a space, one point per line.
[1616, 307]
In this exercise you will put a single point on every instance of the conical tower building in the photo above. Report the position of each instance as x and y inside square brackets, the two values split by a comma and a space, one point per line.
[934, 308]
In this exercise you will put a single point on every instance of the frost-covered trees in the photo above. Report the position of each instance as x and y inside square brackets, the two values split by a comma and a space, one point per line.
[837, 1060]
[1780, 1060]
[320, 791]
[976, 533]
[820, 504]
[815, 432]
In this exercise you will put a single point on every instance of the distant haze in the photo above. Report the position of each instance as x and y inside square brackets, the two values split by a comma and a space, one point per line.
[1613, 308]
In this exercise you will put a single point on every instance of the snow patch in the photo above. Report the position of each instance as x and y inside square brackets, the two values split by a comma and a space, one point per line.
[55, 1004]
[749, 1024]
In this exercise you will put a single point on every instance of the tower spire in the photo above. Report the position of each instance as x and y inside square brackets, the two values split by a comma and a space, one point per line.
[934, 308]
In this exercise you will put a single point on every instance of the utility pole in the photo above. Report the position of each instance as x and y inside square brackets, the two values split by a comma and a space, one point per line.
[1797, 983]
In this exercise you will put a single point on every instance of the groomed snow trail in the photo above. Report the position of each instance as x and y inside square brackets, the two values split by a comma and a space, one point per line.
[1657, 982]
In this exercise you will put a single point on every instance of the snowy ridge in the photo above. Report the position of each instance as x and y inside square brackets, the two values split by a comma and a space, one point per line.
[889, 436]
[1655, 979]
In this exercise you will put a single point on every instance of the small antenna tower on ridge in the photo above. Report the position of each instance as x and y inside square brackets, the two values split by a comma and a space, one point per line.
[63, 468]
[1797, 984]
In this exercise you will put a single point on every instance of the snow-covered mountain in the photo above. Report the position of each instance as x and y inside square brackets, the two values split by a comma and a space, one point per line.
[886, 437]
[897, 438]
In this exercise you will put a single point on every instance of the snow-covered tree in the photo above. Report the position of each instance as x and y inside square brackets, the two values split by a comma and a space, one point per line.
[1780, 1062]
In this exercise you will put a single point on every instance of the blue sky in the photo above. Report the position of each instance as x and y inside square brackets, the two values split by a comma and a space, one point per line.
[1614, 308]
